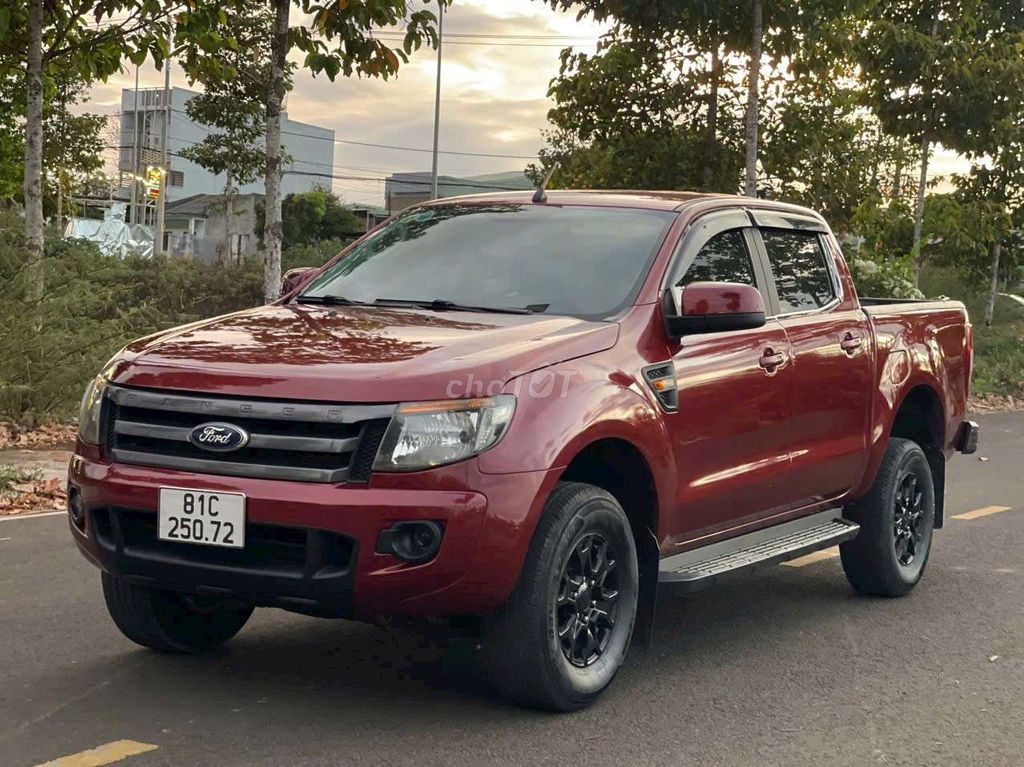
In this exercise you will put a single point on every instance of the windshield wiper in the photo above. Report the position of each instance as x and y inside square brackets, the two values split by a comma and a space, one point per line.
[330, 301]
[444, 305]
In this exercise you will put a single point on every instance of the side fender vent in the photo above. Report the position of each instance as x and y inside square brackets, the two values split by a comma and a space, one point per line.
[661, 378]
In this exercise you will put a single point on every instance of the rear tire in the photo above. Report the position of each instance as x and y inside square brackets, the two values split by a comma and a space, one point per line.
[170, 622]
[897, 519]
[563, 634]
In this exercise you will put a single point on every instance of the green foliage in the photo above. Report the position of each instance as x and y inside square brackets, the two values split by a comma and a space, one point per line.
[625, 118]
[72, 140]
[12, 149]
[948, 73]
[233, 99]
[89, 39]
[317, 215]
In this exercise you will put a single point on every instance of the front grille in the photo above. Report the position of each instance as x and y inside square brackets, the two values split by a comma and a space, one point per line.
[269, 549]
[287, 440]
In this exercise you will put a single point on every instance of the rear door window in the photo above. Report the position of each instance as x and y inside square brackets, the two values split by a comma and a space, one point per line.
[802, 278]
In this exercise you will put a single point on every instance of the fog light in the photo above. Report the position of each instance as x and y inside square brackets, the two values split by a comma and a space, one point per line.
[412, 542]
[75, 509]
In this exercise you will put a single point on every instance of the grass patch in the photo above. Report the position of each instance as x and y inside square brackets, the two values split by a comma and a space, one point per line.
[998, 350]
[11, 475]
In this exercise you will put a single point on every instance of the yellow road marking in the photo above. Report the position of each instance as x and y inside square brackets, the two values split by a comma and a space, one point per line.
[108, 753]
[815, 556]
[984, 512]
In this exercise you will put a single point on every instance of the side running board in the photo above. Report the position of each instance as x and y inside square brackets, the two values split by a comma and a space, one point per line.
[699, 568]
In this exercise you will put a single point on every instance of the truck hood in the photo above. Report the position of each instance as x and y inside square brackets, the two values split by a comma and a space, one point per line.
[356, 354]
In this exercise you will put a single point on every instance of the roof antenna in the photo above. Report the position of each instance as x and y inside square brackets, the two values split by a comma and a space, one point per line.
[541, 195]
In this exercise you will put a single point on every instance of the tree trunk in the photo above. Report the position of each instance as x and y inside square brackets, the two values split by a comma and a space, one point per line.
[922, 186]
[273, 232]
[60, 205]
[751, 119]
[710, 155]
[897, 182]
[922, 183]
[229, 217]
[990, 305]
[33, 182]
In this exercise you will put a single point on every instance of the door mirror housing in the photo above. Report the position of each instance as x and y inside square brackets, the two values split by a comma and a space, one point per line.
[294, 278]
[712, 307]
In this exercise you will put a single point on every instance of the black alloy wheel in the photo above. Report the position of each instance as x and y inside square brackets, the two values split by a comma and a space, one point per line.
[908, 527]
[587, 604]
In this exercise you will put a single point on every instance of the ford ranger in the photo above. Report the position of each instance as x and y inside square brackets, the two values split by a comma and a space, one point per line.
[525, 414]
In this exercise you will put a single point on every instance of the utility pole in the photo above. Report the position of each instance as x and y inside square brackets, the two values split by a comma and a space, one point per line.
[437, 100]
[165, 174]
[135, 151]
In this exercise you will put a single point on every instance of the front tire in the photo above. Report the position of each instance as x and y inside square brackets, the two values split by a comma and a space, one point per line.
[563, 634]
[897, 519]
[167, 621]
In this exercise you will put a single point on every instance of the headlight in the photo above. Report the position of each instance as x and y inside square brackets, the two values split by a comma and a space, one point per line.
[426, 434]
[89, 413]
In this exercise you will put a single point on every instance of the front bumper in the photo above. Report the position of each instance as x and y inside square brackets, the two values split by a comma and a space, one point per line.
[311, 548]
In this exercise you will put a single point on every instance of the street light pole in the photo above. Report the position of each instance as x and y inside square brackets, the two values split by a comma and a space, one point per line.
[135, 152]
[437, 99]
[161, 201]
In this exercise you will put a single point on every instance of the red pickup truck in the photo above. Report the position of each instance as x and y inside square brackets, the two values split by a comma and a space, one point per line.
[527, 415]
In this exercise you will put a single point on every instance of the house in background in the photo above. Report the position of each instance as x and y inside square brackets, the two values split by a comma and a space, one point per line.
[198, 227]
[370, 215]
[403, 190]
[310, 149]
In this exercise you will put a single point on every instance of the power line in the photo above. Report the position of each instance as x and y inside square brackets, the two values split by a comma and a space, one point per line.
[468, 183]
[377, 146]
[414, 182]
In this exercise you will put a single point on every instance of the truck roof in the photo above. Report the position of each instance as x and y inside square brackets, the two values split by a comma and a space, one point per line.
[626, 198]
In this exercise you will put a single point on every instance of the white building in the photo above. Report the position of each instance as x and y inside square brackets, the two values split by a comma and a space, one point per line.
[309, 147]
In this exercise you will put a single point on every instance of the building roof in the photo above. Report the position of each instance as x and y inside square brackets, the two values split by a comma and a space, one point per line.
[373, 210]
[197, 204]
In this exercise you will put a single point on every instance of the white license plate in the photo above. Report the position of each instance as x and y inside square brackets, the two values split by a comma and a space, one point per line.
[201, 516]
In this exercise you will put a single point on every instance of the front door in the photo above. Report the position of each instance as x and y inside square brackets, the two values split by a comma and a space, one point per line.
[832, 362]
[730, 432]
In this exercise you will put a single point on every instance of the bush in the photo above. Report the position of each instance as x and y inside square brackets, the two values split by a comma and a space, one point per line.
[311, 254]
[95, 304]
[881, 277]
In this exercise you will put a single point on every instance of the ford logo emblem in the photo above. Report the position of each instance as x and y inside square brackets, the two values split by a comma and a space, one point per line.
[218, 437]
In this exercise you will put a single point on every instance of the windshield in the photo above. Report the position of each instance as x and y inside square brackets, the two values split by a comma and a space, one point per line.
[582, 261]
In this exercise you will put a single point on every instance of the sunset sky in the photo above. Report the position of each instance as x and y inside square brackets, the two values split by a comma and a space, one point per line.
[494, 102]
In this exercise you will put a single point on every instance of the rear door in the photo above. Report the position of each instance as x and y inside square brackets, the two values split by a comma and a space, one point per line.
[730, 433]
[829, 338]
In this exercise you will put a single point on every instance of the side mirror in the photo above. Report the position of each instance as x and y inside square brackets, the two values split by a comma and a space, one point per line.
[711, 307]
[294, 278]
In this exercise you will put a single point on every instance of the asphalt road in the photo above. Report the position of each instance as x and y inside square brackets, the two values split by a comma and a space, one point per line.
[786, 666]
